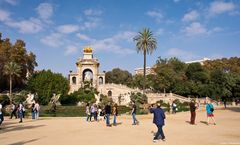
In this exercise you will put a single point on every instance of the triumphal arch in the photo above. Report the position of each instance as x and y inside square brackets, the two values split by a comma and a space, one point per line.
[87, 71]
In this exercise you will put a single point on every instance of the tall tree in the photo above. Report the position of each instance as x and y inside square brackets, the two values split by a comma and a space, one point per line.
[16, 52]
[146, 43]
[46, 83]
[12, 69]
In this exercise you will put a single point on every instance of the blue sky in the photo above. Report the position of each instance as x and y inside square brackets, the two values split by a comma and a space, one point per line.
[57, 30]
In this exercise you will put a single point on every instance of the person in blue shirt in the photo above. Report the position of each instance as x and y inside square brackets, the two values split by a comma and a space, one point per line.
[158, 120]
[210, 109]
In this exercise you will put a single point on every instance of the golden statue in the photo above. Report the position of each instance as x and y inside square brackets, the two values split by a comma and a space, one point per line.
[87, 49]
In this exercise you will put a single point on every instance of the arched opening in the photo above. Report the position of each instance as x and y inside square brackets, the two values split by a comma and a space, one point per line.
[87, 75]
[109, 93]
[100, 80]
[74, 80]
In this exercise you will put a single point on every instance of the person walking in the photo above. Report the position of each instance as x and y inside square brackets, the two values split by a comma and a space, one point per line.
[1, 115]
[37, 110]
[107, 114]
[92, 112]
[88, 112]
[33, 110]
[20, 111]
[115, 113]
[158, 120]
[174, 108]
[134, 111]
[14, 111]
[210, 109]
[193, 108]
[95, 112]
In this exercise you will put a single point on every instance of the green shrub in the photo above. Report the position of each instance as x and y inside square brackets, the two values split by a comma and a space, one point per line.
[69, 100]
[4, 100]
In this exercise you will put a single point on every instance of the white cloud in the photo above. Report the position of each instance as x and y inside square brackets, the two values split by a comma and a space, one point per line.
[45, 11]
[4, 15]
[126, 35]
[114, 43]
[195, 29]
[179, 53]
[157, 15]
[71, 50]
[12, 2]
[32, 25]
[190, 16]
[84, 37]
[52, 40]
[69, 28]
[216, 29]
[219, 7]
[92, 12]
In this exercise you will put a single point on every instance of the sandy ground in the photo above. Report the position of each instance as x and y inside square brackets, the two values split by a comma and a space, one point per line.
[76, 131]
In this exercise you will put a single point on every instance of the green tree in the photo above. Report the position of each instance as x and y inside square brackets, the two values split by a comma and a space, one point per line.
[146, 43]
[12, 70]
[16, 52]
[47, 83]
[119, 76]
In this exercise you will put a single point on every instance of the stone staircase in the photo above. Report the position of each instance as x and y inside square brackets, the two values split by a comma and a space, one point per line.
[125, 92]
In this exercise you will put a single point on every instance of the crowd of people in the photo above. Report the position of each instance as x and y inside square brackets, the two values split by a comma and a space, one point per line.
[18, 111]
[97, 113]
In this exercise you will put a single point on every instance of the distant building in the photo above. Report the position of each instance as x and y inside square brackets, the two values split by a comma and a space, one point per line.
[201, 61]
[139, 71]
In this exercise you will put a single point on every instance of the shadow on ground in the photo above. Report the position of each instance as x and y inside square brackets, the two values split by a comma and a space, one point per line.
[24, 142]
[204, 122]
[235, 109]
[21, 127]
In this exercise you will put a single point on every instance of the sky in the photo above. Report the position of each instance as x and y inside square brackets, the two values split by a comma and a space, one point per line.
[58, 30]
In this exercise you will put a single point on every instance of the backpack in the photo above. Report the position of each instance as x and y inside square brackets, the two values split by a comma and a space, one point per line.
[211, 108]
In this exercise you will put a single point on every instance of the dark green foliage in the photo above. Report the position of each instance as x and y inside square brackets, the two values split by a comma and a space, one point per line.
[119, 76]
[19, 98]
[69, 100]
[215, 79]
[16, 53]
[72, 111]
[47, 83]
[104, 100]
[85, 94]
[4, 100]
[138, 98]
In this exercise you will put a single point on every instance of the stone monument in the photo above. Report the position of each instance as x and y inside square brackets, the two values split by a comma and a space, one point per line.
[87, 70]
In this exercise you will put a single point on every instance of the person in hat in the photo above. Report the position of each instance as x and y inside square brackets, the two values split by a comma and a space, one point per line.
[158, 120]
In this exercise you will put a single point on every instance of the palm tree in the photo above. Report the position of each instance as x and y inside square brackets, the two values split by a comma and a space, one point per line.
[146, 43]
[11, 69]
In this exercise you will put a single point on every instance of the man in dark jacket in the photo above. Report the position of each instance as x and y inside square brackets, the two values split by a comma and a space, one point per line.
[193, 107]
[158, 119]
[108, 113]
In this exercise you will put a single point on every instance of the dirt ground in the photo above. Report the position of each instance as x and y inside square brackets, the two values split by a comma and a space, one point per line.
[76, 131]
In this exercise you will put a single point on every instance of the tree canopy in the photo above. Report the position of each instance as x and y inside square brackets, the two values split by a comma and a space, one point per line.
[46, 83]
[15, 53]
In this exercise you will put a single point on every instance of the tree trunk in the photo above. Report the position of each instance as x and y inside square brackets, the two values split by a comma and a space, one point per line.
[10, 90]
[144, 71]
